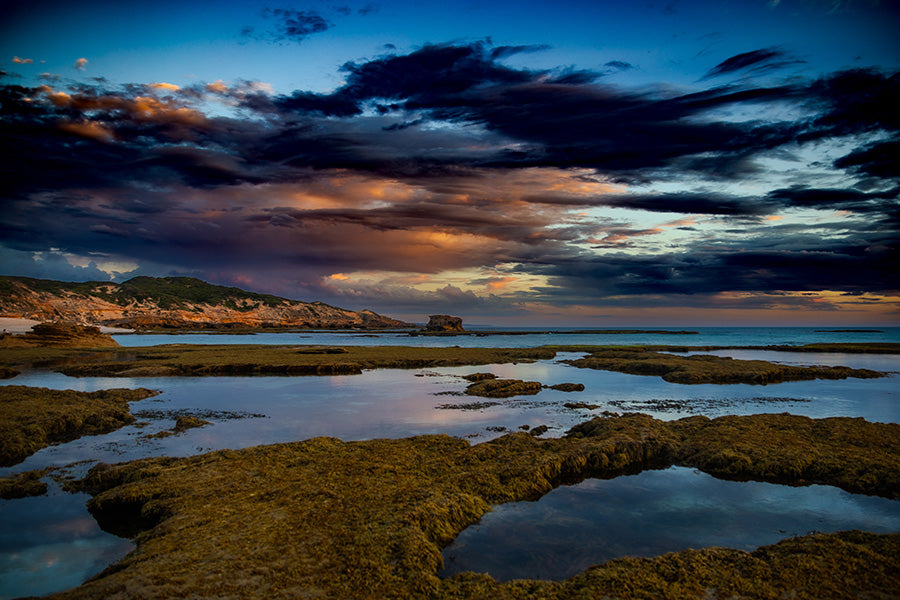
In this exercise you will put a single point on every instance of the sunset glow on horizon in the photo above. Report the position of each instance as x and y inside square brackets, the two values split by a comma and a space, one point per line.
[561, 164]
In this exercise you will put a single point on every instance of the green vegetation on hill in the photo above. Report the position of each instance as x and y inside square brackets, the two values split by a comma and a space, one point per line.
[170, 292]
[167, 292]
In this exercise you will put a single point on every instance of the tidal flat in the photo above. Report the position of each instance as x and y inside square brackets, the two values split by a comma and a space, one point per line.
[368, 519]
[730, 446]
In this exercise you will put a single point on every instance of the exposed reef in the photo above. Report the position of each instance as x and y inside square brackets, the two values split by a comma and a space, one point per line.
[325, 518]
[567, 387]
[23, 485]
[32, 418]
[250, 359]
[209, 360]
[182, 424]
[59, 335]
[503, 388]
[706, 368]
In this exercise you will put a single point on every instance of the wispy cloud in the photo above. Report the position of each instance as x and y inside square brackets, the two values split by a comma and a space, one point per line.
[756, 61]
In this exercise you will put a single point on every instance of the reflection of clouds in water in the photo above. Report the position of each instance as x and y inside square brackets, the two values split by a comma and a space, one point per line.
[650, 514]
[55, 567]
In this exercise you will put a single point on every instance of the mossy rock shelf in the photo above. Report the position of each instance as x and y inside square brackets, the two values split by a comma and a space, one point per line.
[324, 518]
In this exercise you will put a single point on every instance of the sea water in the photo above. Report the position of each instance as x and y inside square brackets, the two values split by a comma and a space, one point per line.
[248, 411]
[527, 337]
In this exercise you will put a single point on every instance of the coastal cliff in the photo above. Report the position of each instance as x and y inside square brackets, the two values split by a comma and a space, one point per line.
[173, 303]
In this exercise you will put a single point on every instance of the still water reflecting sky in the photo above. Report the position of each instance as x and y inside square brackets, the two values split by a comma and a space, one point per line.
[654, 512]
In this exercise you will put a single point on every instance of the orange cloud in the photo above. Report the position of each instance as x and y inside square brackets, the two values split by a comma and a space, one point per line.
[171, 87]
[81, 63]
[498, 283]
[217, 87]
[22, 61]
[89, 129]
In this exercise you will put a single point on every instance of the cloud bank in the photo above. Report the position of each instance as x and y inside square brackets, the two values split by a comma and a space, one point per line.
[445, 170]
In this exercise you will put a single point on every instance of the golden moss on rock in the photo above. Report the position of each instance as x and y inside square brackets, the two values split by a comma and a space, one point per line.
[32, 418]
[705, 368]
[22, 485]
[252, 359]
[503, 388]
[329, 519]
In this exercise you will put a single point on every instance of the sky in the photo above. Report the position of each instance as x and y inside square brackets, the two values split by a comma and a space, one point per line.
[565, 163]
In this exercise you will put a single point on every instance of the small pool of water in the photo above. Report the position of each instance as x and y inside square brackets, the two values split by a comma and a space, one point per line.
[649, 514]
[55, 544]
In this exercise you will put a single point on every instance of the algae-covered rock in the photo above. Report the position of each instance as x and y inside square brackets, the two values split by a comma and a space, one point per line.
[568, 387]
[703, 368]
[189, 422]
[358, 520]
[32, 418]
[503, 388]
[23, 485]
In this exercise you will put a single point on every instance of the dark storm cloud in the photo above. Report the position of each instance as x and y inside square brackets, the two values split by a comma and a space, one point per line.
[296, 25]
[681, 202]
[878, 160]
[537, 119]
[131, 171]
[757, 61]
[697, 271]
[837, 199]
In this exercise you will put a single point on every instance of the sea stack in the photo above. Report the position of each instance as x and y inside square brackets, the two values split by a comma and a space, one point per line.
[444, 323]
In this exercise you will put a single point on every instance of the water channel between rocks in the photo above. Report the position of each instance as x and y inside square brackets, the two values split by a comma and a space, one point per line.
[649, 514]
[49, 544]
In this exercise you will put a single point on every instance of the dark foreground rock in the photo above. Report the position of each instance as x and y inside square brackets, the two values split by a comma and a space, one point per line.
[328, 519]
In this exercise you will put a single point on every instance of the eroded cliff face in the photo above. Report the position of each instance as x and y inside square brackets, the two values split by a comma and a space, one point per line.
[172, 302]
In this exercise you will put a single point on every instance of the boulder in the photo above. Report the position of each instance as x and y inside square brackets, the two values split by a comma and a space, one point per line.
[444, 323]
